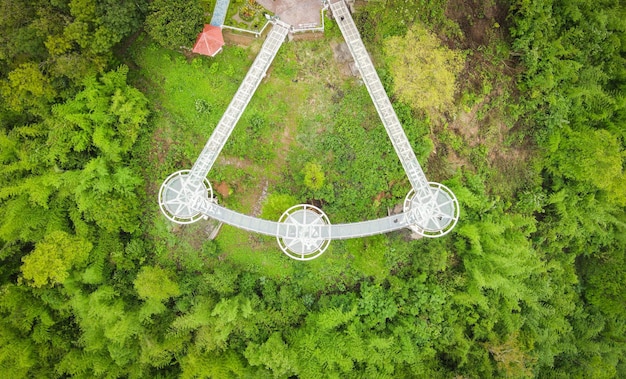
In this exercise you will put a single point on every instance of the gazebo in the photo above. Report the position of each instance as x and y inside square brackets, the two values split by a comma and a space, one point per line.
[210, 41]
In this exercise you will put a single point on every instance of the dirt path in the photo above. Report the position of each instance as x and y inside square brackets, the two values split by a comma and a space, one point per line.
[238, 39]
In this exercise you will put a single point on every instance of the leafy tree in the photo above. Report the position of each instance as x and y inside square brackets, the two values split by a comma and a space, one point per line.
[105, 119]
[273, 354]
[18, 38]
[107, 114]
[605, 277]
[53, 258]
[511, 358]
[27, 88]
[154, 283]
[313, 176]
[595, 157]
[82, 43]
[174, 24]
[32, 333]
[424, 70]
[107, 194]
[573, 64]
[71, 39]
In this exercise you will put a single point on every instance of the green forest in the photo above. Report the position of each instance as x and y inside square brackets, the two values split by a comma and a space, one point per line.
[518, 106]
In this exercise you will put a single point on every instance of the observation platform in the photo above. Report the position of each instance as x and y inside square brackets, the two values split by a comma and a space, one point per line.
[303, 232]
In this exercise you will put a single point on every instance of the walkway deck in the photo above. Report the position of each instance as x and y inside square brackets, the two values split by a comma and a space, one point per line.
[381, 101]
[277, 229]
[240, 101]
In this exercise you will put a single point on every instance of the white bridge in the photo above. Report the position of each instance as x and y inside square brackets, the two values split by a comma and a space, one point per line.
[304, 231]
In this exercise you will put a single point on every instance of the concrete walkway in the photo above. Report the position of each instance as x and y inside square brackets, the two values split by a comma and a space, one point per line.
[219, 13]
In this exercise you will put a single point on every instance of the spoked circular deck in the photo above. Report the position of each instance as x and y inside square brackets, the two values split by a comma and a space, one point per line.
[176, 197]
[435, 215]
[304, 240]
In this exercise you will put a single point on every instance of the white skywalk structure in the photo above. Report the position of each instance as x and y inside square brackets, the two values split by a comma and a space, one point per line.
[304, 231]
[432, 208]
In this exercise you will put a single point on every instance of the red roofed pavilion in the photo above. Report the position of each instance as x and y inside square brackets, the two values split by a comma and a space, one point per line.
[210, 41]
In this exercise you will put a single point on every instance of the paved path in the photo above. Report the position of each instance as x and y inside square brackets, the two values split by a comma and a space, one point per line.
[296, 12]
[219, 12]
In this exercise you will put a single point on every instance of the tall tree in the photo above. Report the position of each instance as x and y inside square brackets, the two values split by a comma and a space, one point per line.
[28, 89]
[53, 258]
[174, 24]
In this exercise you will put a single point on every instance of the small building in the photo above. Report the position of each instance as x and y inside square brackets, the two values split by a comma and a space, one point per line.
[210, 41]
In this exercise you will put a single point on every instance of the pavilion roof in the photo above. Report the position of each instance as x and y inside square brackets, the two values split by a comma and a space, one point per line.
[209, 41]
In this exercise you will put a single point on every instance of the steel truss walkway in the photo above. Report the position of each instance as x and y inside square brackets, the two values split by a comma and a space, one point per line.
[303, 232]
[381, 100]
[238, 104]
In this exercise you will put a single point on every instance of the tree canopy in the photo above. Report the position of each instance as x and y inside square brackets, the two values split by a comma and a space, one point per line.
[424, 71]
[174, 24]
[95, 113]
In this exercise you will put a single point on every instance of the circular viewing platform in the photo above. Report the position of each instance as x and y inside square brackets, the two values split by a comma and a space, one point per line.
[176, 197]
[434, 215]
[305, 239]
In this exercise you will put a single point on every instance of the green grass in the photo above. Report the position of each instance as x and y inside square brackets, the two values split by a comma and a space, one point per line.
[333, 269]
[254, 253]
[179, 85]
[369, 256]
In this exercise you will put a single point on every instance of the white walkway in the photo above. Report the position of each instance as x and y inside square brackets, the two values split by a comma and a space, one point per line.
[238, 104]
[219, 12]
[430, 209]
[273, 228]
[379, 97]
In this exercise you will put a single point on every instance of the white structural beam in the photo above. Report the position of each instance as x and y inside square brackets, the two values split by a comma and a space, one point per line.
[238, 104]
[381, 101]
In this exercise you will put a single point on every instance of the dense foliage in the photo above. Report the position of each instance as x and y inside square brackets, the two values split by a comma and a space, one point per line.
[174, 24]
[49, 47]
[94, 282]
[424, 71]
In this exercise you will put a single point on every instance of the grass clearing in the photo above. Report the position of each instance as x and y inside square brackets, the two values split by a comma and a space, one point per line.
[306, 110]
[253, 252]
